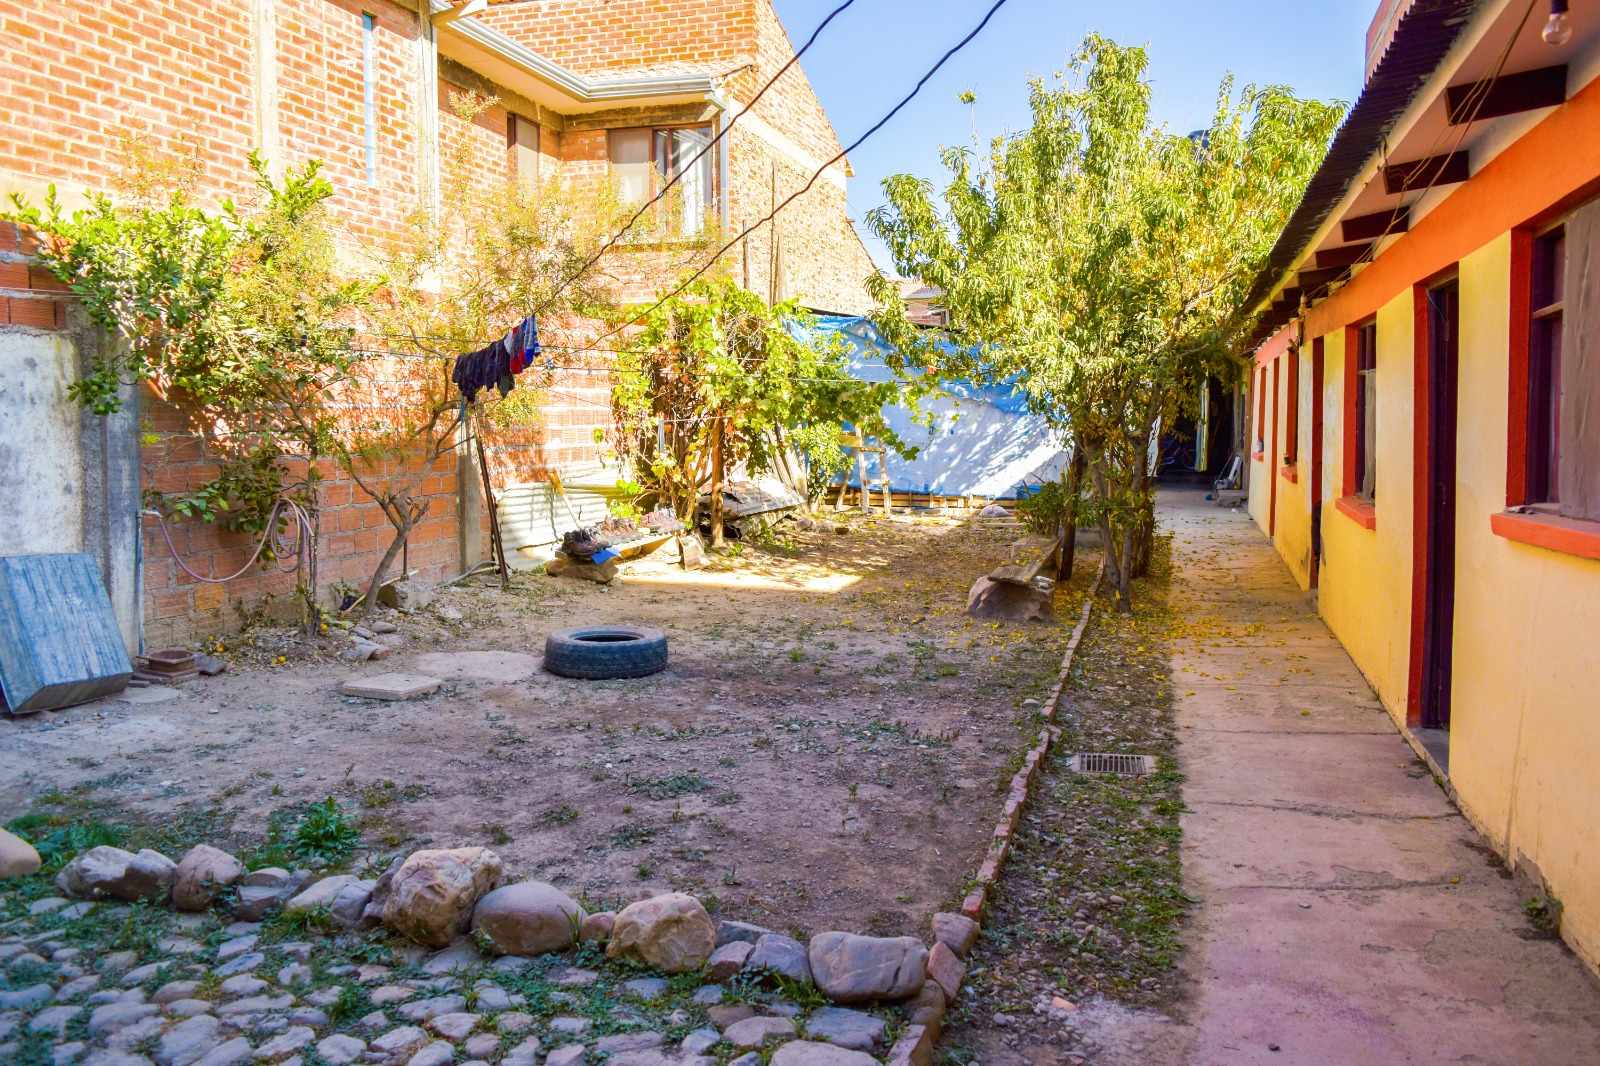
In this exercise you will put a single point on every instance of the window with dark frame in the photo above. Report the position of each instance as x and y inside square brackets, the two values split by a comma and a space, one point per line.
[1261, 411]
[1366, 411]
[522, 145]
[645, 159]
[1291, 425]
[1544, 368]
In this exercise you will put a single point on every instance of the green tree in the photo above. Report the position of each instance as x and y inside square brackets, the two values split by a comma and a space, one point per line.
[715, 377]
[1104, 261]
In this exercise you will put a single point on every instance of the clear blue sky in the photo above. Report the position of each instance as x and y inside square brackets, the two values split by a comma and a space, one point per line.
[873, 53]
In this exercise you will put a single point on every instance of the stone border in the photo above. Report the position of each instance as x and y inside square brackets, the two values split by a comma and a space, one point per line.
[1022, 781]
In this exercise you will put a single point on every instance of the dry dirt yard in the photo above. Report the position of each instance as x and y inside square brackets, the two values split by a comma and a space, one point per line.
[827, 749]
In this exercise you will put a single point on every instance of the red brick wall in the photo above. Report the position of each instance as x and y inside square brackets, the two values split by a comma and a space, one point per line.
[17, 308]
[596, 36]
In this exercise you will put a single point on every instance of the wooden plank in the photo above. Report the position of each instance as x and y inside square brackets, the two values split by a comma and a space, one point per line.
[1427, 173]
[1347, 255]
[1509, 94]
[1371, 227]
[1579, 477]
[1312, 280]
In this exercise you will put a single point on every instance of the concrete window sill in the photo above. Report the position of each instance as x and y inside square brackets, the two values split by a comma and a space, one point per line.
[1570, 536]
[1358, 510]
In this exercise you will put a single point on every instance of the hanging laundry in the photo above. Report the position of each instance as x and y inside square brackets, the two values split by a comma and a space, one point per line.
[496, 366]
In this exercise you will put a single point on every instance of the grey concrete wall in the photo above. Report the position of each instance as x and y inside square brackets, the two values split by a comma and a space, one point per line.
[70, 477]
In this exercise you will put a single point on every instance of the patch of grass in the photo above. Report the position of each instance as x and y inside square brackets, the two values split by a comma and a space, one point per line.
[57, 839]
[660, 788]
[632, 836]
[352, 1003]
[556, 816]
[316, 833]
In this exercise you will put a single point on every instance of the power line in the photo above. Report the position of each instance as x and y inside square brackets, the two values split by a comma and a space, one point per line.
[687, 167]
[857, 143]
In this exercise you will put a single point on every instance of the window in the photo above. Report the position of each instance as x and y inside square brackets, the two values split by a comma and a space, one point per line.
[1544, 368]
[644, 160]
[1362, 475]
[1261, 412]
[369, 94]
[522, 143]
[1291, 432]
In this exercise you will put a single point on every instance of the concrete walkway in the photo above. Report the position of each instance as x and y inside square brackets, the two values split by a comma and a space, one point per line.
[1347, 913]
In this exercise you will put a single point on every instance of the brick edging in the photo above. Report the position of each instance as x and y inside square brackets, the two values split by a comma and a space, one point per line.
[1021, 782]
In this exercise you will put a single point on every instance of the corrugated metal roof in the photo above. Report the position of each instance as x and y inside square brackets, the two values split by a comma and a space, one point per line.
[1422, 40]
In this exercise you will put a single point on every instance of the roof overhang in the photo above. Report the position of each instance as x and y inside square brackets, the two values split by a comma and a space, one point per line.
[520, 69]
[1409, 111]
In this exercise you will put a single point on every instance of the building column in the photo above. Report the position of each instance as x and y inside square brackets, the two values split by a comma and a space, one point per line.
[429, 168]
[264, 82]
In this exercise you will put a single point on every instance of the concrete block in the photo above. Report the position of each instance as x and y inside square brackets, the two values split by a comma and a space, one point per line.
[391, 686]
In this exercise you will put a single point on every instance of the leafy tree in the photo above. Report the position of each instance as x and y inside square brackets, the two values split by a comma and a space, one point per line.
[1104, 261]
[715, 377]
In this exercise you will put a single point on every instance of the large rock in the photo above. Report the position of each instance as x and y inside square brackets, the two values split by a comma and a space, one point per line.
[320, 893]
[858, 969]
[1007, 601]
[17, 856]
[106, 872]
[202, 873]
[528, 918]
[429, 895]
[673, 933]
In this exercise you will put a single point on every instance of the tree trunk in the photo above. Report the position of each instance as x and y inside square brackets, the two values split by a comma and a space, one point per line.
[1117, 549]
[404, 518]
[1144, 526]
[716, 486]
[1068, 551]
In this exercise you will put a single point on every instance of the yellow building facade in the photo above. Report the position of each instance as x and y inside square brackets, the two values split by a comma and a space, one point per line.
[1426, 460]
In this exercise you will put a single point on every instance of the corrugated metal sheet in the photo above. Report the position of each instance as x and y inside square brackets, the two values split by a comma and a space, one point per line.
[532, 515]
[1423, 38]
[59, 640]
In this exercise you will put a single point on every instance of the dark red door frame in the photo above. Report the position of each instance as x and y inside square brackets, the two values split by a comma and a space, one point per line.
[1272, 455]
[1316, 459]
[1435, 358]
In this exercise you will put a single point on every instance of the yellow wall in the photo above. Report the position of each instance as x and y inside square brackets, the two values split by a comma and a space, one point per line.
[1293, 537]
[1525, 713]
[1365, 580]
[1260, 479]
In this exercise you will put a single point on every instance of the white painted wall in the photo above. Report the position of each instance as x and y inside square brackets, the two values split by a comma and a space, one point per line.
[41, 456]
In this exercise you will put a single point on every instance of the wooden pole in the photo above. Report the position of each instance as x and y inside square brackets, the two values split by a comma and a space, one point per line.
[716, 484]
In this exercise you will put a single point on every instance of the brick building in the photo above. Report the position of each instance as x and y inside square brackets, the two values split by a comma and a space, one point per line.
[587, 91]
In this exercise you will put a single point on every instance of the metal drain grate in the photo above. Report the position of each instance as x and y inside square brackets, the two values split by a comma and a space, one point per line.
[1085, 762]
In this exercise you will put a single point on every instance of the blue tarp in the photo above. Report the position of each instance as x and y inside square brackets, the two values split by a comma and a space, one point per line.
[983, 441]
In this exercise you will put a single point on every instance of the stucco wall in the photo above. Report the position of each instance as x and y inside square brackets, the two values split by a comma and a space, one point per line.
[41, 462]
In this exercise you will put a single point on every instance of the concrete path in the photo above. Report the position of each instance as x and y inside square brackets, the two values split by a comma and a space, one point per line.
[1347, 913]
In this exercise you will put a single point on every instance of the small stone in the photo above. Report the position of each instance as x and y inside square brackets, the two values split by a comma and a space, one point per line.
[707, 995]
[240, 964]
[53, 1020]
[847, 1028]
[380, 626]
[66, 1054]
[753, 1032]
[382, 997]
[399, 1043]
[739, 932]
[285, 1044]
[233, 1052]
[454, 1026]
[255, 902]
[106, 872]
[493, 998]
[48, 905]
[808, 1053]
[139, 975]
[202, 873]
[597, 927]
[243, 984]
[373, 1021]
[391, 686]
[621, 1042]
[513, 1022]
[701, 1041]
[255, 1004]
[294, 975]
[340, 1049]
[426, 1009]
[570, 1026]
[27, 998]
[437, 1053]
[179, 945]
[781, 955]
[955, 931]
[311, 1016]
[724, 1016]
[946, 969]
[645, 988]
[78, 986]
[188, 1041]
[481, 1045]
[320, 893]
[728, 959]
[928, 1008]
[237, 946]
[576, 978]
[266, 877]
[298, 950]
[749, 1058]
[527, 1053]
[187, 1008]
[461, 955]
[111, 1017]
[914, 1048]
[138, 1033]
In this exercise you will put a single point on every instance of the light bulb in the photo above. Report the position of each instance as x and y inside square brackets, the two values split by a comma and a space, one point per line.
[1558, 27]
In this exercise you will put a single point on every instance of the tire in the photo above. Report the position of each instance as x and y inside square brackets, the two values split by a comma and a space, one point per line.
[598, 653]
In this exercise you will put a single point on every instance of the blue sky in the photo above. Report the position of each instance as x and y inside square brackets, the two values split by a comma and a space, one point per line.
[874, 52]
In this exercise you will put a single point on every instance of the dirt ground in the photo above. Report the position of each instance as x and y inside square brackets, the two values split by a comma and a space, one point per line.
[826, 750]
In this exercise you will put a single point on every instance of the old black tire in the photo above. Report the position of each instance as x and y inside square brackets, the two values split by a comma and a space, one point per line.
[596, 653]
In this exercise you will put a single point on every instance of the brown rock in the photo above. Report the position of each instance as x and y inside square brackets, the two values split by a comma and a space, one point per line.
[729, 959]
[955, 931]
[858, 969]
[201, 874]
[597, 927]
[17, 857]
[914, 1048]
[528, 918]
[946, 969]
[1007, 601]
[673, 933]
[928, 1008]
[430, 895]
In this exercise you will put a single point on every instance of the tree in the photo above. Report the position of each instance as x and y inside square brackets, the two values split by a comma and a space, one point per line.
[1104, 262]
[715, 377]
